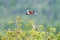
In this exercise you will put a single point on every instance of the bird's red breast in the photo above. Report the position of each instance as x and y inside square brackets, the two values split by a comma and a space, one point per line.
[30, 12]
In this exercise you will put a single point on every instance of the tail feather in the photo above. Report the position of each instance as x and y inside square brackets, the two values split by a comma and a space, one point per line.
[36, 14]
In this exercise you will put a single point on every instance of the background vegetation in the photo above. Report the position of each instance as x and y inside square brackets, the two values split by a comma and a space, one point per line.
[48, 14]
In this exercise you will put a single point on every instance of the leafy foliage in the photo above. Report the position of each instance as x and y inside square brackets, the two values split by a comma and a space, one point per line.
[20, 34]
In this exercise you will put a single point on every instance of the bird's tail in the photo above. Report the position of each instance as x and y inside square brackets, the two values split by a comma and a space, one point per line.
[36, 14]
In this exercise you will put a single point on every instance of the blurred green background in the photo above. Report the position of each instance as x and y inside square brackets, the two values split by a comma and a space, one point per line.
[48, 11]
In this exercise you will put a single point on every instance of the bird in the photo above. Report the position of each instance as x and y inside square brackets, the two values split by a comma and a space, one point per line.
[30, 12]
